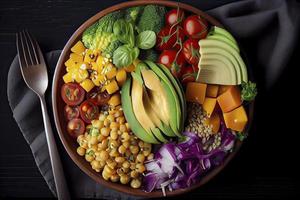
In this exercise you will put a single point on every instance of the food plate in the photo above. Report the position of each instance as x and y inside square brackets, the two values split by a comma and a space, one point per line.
[97, 72]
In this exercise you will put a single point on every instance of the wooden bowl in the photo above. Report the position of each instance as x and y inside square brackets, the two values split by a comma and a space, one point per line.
[58, 105]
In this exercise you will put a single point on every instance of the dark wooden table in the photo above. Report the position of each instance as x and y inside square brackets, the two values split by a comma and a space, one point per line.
[266, 166]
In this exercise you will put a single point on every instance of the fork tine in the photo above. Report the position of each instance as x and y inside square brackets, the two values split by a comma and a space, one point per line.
[33, 44]
[28, 49]
[21, 51]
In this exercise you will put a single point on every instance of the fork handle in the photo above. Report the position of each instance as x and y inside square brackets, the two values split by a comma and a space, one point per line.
[57, 169]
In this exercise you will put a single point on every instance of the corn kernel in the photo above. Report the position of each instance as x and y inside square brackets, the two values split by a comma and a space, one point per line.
[112, 87]
[87, 85]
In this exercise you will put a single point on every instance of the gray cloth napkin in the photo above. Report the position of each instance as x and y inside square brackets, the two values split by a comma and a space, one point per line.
[266, 30]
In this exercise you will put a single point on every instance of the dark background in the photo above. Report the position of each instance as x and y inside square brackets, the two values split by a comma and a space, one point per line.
[267, 165]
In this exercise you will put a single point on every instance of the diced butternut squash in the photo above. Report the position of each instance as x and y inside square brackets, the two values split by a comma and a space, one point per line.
[212, 90]
[112, 87]
[230, 99]
[111, 72]
[195, 92]
[115, 100]
[99, 79]
[76, 58]
[87, 85]
[224, 88]
[90, 56]
[129, 68]
[68, 77]
[78, 48]
[209, 105]
[236, 119]
[214, 121]
[121, 76]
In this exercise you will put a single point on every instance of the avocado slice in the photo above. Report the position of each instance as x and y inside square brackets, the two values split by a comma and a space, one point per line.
[135, 126]
[224, 39]
[221, 31]
[218, 47]
[174, 104]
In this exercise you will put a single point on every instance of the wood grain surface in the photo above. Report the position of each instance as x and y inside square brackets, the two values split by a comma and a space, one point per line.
[266, 166]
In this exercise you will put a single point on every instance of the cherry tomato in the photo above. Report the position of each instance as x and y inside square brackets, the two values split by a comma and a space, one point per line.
[76, 127]
[195, 27]
[97, 97]
[191, 51]
[189, 74]
[71, 112]
[174, 16]
[168, 58]
[169, 38]
[72, 94]
[88, 111]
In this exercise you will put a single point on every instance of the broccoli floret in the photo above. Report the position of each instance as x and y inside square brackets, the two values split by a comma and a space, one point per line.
[152, 18]
[149, 54]
[133, 13]
[100, 35]
[249, 91]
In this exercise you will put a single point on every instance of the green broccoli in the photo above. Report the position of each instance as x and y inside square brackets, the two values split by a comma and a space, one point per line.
[100, 35]
[152, 18]
[149, 54]
[249, 91]
[133, 13]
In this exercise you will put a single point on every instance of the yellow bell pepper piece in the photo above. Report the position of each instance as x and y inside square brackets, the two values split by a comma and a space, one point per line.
[100, 61]
[115, 100]
[80, 75]
[121, 76]
[90, 56]
[87, 85]
[68, 77]
[78, 48]
[112, 87]
[69, 63]
[99, 79]
[76, 58]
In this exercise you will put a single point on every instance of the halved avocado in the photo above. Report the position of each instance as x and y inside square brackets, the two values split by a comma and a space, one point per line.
[135, 126]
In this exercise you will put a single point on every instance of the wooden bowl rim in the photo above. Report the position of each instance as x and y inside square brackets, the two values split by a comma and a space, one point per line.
[85, 167]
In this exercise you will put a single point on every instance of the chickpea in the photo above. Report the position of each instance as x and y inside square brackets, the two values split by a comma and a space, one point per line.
[114, 153]
[126, 144]
[124, 179]
[104, 155]
[141, 144]
[125, 137]
[114, 125]
[108, 170]
[106, 122]
[126, 164]
[121, 120]
[100, 138]
[111, 118]
[114, 135]
[97, 124]
[150, 156]
[95, 164]
[80, 139]
[134, 149]
[89, 158]
[122, 149]
[81, 151]
[105, 131]
[140, 158]
[102, 164]
[93, 140]
[132, 166]
[120, 159]
[135, 183]
[102, 117]
[123, 128]
[84, 144]
[134, 174]
[115, 178]
[103, 145]
[113, 144]
[105, 175]
[140, 168]
[110, 163]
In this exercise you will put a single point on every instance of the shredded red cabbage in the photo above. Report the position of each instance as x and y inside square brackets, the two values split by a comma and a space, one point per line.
[181, 165]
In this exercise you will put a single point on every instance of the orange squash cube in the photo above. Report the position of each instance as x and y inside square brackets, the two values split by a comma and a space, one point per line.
[209, 105]
[224, 88]
[236, 119]
[214, 121]
[212, 90]
[230, 99]
[195, 92]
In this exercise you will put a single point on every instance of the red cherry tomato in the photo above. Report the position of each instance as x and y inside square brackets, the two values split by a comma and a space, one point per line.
[168, 58]
[189, 74]
[76, 127]
[72, 94]
[191, 51]
[169, 38]
[195, 27]
[174, 16]
[88, 111]
[71, 112]
[97, 97]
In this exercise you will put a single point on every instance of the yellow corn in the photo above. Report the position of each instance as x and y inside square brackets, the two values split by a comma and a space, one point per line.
[121, 76]
[111, 73]
[115, 100]
[87, 85]
[129, 68]
[112, 87]
[99, 79]
[68, 77]
[78, 48]
[76, 58]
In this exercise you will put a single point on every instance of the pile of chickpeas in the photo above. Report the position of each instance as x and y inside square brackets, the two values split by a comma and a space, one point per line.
[112, 149]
